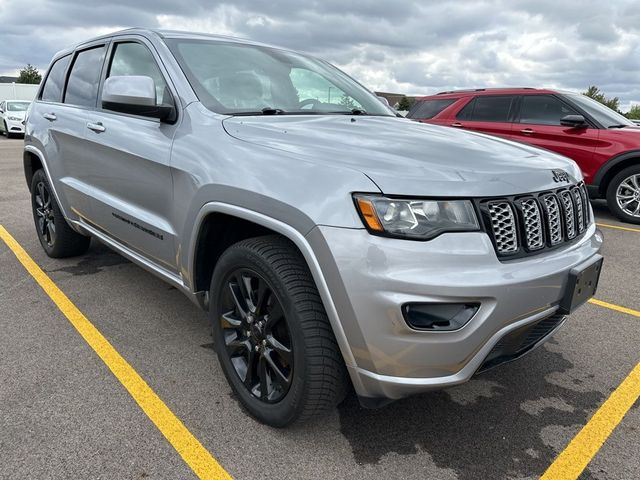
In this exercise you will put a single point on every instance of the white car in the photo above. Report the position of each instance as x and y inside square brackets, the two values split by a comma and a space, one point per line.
[12, 114]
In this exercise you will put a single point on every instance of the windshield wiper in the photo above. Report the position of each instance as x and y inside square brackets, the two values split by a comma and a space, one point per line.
[620, 125]
[353, 111]
[264, 111]
[272, 111]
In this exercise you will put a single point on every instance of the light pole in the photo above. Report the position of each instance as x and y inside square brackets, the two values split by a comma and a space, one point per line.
[329, 101]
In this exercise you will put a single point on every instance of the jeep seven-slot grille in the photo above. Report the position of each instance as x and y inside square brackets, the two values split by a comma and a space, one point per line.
[528, 224]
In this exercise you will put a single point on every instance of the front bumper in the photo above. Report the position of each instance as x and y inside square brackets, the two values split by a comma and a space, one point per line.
[15, 126]
[371, 277]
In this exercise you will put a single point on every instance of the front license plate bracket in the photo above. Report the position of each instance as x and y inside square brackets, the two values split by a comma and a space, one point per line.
[581, 285]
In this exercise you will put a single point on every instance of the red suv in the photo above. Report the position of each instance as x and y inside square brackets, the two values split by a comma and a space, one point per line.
[605, 144]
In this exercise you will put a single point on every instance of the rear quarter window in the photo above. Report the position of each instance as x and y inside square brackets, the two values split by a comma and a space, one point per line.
[429, 108]
[54, 83]
[495, 108]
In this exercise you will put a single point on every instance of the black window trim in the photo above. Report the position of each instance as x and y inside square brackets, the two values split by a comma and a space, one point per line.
[510, 115]
[103, 42]
[517, 117]
[159, 63]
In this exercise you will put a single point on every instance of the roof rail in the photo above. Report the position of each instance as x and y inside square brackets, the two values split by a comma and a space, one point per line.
[484, 89]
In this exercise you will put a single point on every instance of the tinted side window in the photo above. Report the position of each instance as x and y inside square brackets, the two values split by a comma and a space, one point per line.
[429, 108]
[543, 110]
[132, 58]
[53, 85]
[82, 87]
[467, 111]
[490, 109]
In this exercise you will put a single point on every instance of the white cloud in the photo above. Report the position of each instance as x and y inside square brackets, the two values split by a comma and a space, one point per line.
[413, 47]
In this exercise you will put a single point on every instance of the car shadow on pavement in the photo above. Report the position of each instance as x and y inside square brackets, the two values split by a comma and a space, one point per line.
[491, 427]
[98, 257]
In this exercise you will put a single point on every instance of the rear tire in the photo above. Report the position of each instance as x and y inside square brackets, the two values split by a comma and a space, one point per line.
[623, 195]
[57, 238]
[267, 279]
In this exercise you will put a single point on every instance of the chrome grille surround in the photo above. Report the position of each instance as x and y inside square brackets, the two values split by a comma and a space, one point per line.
[522, 225]
[533, 231]
[503, 223]
[577, 196]
[554, 219]
[569, 214]
[585, 201]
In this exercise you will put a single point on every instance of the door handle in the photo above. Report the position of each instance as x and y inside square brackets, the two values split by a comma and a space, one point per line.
[527, 131]
[50, 116]
[96, 127]
[456, 124]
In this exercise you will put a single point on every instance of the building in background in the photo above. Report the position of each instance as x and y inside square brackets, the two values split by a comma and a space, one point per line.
[402, 103]
[17, 91]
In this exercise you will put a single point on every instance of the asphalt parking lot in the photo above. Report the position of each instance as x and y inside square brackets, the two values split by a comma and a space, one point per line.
[63, 414]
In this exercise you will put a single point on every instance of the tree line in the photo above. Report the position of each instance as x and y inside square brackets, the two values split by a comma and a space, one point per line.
[612, 102]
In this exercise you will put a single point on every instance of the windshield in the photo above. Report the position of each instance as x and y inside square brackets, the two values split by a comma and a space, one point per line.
[238, 79]
[17, 106]
[601, 113]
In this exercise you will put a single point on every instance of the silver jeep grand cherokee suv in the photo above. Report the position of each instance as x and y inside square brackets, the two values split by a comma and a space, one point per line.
[332, 243]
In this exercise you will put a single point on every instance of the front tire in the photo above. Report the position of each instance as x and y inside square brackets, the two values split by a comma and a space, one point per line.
[57, 238]
[623, 195]
[272, 335]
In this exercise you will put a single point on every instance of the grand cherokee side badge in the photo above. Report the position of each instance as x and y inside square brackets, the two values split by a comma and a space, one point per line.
[560, 176]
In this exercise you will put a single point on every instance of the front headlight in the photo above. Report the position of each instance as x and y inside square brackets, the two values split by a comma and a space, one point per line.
[415, 219]
[15, 119]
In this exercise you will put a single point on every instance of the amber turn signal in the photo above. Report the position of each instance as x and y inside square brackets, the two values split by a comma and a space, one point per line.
[369, 214]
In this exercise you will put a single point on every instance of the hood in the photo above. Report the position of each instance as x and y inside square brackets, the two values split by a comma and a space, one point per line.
[21, 114]
[408, 158]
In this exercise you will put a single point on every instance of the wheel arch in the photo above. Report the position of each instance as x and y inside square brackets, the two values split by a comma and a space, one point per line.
[612, 167]
[250, 223]
[32, 163]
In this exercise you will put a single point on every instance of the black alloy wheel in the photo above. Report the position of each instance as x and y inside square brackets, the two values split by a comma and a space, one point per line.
[45, 220]
[271, 333]
[256, 335]
[57, 238]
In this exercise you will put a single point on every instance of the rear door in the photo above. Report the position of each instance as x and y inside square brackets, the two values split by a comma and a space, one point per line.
[58, 119]
[127, 161]
[492, 114]
[538, 123]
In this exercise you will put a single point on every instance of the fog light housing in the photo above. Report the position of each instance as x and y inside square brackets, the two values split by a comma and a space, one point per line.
[438, 316]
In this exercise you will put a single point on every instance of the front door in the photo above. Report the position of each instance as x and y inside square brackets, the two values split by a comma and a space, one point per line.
[539, 125]
[129, 155]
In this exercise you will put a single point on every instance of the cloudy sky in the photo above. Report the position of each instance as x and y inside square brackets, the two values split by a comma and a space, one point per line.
[407, 46]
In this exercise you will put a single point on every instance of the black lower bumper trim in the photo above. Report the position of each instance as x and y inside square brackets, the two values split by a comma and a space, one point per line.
[520, 341]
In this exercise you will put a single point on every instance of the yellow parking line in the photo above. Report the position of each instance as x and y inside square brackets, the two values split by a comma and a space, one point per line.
[617, 308]
[190, 449]
[628, 229]
[584, 446]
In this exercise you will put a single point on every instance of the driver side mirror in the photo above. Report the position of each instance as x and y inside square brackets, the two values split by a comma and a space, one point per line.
[573, 121]
[136, 95]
